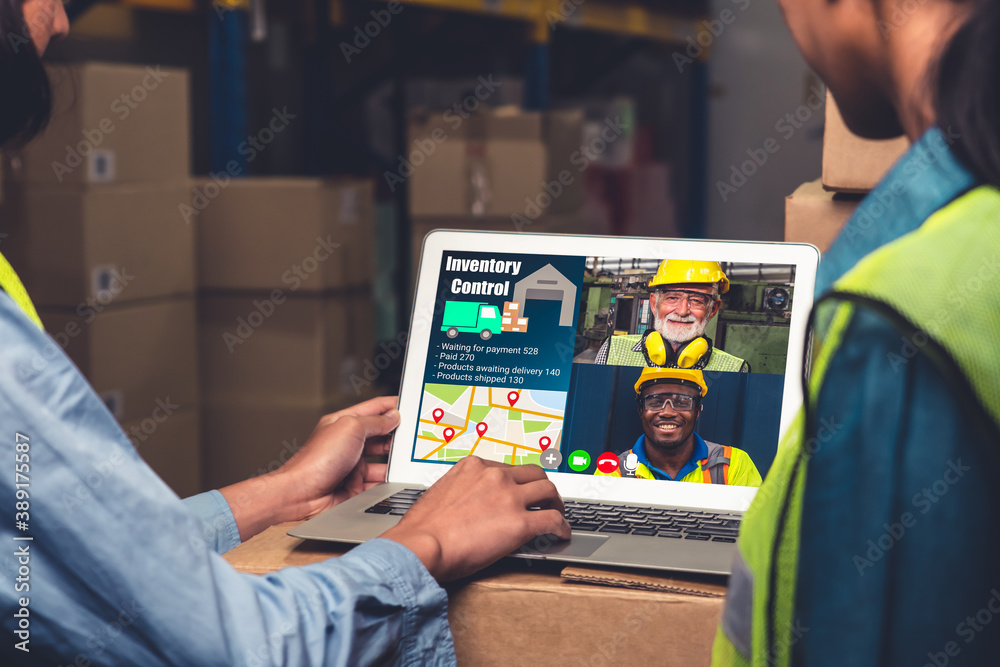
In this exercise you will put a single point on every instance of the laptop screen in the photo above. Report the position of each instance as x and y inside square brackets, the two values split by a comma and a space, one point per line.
[654, 370]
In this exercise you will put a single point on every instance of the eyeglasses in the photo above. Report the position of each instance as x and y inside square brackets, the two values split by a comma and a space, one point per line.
[656, 402]
[696, 299]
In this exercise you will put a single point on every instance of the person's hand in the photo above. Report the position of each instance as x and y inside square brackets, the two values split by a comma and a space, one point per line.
[329, 469]
[476, 514]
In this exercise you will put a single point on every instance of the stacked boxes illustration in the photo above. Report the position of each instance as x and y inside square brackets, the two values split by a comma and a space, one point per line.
[510, 320]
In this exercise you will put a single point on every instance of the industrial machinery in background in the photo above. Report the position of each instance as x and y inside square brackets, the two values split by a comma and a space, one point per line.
[752, 324]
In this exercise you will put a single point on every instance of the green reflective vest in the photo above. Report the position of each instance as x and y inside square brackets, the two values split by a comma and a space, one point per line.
[938, 287]
[620, 353]
[11, 284]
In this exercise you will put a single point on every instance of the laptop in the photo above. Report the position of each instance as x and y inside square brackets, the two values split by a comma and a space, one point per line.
[526, 348]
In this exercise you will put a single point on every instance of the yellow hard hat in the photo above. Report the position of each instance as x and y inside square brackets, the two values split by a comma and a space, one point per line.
[676, 271]
[667, 375]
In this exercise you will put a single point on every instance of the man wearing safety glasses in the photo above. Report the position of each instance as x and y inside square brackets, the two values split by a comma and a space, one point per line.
[684, 297]
[669, 401]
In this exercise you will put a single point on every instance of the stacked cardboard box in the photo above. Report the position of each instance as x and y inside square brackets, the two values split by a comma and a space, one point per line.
[817, 211]
[286, 314]
[94, 232]
[510, 320]
[500, 169]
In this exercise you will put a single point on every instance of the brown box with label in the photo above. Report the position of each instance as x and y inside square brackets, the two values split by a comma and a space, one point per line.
[140, 358]
[170, 442]
[587, 616]
[111, 124]
[492, 163]
[853, 164]
[91, 245]
[304, 234]
[282, 345]
[815, 215]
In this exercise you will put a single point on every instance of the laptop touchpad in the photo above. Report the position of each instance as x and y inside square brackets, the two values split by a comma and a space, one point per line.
[580, 546]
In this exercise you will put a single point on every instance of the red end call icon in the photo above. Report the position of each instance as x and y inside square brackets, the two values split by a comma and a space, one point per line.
[607, 462]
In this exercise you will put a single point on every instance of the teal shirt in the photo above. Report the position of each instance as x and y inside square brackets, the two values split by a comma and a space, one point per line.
[899, 537]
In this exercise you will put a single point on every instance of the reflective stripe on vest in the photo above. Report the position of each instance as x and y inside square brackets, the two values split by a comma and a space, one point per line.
[955, 251]
[620, 353]
[11, 284]
[715, 468]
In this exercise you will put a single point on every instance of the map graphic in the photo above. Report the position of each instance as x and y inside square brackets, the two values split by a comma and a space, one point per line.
[500, 424]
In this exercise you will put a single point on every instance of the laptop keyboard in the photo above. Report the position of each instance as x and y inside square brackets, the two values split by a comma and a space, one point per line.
[615, 519]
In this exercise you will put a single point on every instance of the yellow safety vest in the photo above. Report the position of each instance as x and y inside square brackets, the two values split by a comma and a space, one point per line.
[906, 281]
[11, 284]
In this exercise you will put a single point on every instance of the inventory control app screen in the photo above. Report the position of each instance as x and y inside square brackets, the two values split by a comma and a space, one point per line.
[534, 359]
[498, 365]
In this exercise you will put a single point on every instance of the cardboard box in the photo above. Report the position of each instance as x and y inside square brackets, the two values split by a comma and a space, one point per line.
[85, 245]
[245, 439]
[138, 357]
[286, 346]
[814, 215]
[112, 124]
[565, 160]
[588, 616]
[853, 164]
[489, 164]
[171, 445]
[288, 233]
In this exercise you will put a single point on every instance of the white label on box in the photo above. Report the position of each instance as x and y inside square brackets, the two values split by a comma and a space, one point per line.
[350, 206]
[101, 166]
[115, 400]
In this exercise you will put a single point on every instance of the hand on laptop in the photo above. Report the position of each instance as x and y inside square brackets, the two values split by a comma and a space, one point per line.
[476, 514]
[329, 469]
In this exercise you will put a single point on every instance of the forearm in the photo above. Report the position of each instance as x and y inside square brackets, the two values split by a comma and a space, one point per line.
[261, 502]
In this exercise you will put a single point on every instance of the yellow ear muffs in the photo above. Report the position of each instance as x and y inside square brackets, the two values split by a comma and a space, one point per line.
[689, 355]
[656, 350]
[658, 353]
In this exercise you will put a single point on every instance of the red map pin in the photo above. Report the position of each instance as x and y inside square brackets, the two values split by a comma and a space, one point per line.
[449, 433]
[438, 413]
[544, 442]
[481, 428]
[512, 398]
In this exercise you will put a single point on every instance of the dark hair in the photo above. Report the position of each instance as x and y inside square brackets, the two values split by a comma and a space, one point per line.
[968, 84]
[27, 97]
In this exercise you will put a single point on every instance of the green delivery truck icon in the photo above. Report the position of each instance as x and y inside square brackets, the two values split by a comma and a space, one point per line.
[470, 317]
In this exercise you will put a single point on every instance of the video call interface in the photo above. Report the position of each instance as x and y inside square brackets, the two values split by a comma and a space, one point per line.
[535, 359]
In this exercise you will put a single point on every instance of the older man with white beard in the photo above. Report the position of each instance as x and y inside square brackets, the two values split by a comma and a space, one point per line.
[684, 297]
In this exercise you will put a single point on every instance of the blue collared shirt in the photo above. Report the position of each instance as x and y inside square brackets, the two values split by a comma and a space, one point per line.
[700, 452]
[120, 571]
[896, 552]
